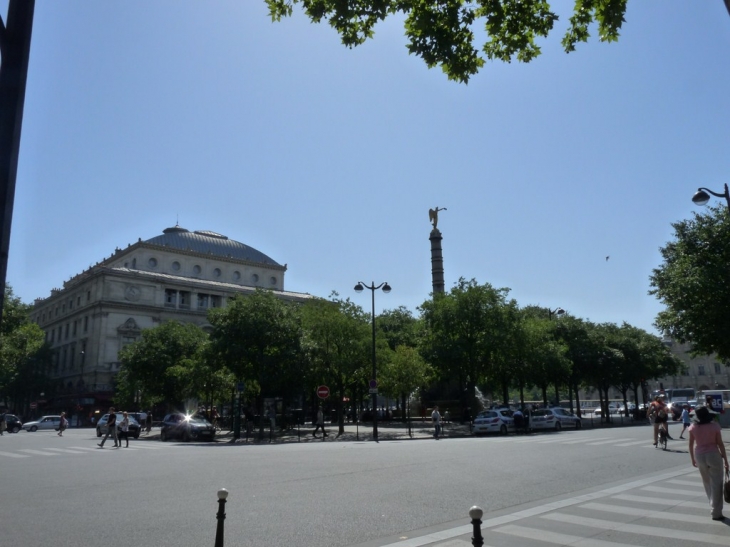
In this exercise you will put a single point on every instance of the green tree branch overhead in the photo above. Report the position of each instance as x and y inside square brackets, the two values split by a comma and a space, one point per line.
[442, 32]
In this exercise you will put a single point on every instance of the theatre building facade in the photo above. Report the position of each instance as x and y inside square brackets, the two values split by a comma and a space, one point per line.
[178, 275]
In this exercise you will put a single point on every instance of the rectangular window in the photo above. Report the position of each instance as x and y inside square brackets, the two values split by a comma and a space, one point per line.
[184, 300]
[67, 331]
[53, 336]
[203, 301]
[170, 298]
[88, 296]
[86, 323]
[700, 370]
[63, 308]
[215, 301]
[78, 300]
[75, 322]
[718, 370]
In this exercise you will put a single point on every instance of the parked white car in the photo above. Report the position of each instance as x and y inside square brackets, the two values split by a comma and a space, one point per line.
[498, 420]
[553, 418]
[46, 422]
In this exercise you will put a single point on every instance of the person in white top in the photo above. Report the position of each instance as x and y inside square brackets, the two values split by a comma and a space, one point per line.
[124, 428]
[436, 419]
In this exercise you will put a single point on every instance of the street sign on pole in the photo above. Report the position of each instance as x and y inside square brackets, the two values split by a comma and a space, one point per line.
[323, 392]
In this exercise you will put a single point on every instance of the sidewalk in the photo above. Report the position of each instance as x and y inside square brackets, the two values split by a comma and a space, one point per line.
[387, 431]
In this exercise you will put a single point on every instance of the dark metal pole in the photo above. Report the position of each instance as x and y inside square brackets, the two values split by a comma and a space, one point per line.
[476, 520]
[375, 372]
[15, 50]
[221, 516]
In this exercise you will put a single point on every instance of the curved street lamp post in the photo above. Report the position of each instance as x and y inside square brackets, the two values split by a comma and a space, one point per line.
[702, 196]
[374, 382]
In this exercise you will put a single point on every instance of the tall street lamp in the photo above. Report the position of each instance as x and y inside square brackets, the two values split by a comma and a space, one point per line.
[374, 382]
[702, 196]
[556, 311]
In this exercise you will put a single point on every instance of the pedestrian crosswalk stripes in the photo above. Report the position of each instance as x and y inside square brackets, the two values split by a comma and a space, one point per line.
[37, 452]
[556, 538]
[625, 515]
[632, 443]
[64, 450]
[673, 491]
[661, 501]
[641, 529]
[646, 513]
[682, 482]
[13, 455]
[612, 441]
[75, 450]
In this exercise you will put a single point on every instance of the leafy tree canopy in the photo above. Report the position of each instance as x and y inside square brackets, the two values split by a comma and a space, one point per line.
[162, 362]
[258, 338]
[442, 32]
[693, 283]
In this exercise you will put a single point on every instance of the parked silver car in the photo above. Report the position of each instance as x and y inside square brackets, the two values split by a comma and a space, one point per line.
[46, 422]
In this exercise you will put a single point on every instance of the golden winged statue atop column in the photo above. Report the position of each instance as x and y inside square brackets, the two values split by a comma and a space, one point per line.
[433, 215]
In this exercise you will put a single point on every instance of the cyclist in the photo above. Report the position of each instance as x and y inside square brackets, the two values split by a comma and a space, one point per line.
[659, 414]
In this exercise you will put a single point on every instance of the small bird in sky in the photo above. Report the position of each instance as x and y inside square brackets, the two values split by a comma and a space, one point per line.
[607, 258]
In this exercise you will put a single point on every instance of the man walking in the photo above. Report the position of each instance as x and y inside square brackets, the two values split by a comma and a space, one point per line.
[111, 429]
[320, 423]
[436, 419]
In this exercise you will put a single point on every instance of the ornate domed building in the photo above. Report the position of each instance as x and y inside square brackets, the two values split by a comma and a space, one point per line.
[176, 275]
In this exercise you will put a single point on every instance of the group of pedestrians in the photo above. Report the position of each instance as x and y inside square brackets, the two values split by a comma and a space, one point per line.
[111, 429]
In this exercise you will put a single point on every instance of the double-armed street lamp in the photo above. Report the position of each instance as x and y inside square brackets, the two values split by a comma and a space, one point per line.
[556, 311]
[702, 196]
[374, 382]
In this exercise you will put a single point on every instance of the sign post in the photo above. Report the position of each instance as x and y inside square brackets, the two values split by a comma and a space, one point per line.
[323, 392]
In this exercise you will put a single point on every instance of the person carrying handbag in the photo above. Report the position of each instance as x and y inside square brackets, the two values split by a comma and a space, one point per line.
[124, 429]
[63, 424]
[708, 454]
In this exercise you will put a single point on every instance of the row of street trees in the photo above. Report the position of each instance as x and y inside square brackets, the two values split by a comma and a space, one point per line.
[472, 338]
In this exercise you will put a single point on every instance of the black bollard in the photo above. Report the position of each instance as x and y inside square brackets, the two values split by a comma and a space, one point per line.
[476, 519]
[221, 516]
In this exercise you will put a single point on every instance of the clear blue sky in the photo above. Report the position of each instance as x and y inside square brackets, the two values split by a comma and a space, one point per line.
[327, 159]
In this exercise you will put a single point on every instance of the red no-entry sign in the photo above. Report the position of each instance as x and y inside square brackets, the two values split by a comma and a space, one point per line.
[323, 392]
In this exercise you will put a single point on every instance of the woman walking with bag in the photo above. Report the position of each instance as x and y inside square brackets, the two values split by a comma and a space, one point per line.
[708, 453]
[124, 429]
[62, 425]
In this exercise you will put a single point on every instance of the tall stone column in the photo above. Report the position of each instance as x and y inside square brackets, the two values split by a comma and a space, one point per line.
[437, 262]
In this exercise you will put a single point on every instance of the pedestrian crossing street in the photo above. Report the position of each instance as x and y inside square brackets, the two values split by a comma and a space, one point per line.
[52, 451]
[667, 510]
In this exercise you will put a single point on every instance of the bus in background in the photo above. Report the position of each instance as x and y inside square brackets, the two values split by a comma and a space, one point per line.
[675, 398]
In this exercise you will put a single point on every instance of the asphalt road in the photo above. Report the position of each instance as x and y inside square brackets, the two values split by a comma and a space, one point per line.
[65, 491]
